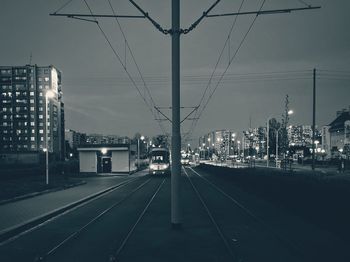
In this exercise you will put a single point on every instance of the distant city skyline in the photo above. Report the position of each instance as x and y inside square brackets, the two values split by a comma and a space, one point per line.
[276, 59]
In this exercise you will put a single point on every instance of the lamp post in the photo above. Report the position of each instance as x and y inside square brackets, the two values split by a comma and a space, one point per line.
[49, 94]
[277, 131]
[138, 151]
[203, 144]
[267, 141]
[233, 136]
[239, 148]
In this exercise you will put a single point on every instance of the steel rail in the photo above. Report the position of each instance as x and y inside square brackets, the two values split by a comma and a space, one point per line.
[37, 226]
[114, 256]
[221, 234]
[287, 242]
[101, 214]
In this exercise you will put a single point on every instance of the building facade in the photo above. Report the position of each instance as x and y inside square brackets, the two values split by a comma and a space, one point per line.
[337, 135]
[74, 138]
[94, 139]
[23, 107]
[107, 158]
[300, 135]
[222, 143]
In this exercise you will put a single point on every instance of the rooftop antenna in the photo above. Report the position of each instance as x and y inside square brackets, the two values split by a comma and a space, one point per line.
[30, 58]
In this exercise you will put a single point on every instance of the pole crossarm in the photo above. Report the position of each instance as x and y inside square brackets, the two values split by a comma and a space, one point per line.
[170, 107]
[266, 12]
[196, 23]
[72, 15]
[83, 19]
[146, 15]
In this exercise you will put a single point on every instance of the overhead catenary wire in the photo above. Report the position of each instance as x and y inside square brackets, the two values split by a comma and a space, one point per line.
[223, 74]
[121, 62]
[303, 2]
[63, 6]
[153, 104]
[214, 70]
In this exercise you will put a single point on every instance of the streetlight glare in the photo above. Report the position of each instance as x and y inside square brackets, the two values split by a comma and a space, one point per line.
[290, 112]
[142, 137]
[50, 94]
[104, 150]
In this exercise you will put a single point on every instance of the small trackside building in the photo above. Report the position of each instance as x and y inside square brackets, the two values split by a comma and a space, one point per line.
[110, 158]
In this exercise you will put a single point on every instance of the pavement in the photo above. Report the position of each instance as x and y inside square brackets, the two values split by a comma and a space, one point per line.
[18, 213]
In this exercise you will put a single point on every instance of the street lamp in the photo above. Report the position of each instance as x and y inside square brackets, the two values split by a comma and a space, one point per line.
[239, 148]
[49, 94]
[138, 151]
[267, 140]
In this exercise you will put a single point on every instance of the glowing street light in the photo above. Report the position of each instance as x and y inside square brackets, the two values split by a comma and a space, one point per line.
[138, 151]
[104, 151]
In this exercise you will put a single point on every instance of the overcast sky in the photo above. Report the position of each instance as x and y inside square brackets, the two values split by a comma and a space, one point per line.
[276, 59]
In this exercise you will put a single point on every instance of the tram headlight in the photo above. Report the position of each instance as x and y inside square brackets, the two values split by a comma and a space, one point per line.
[164, 166]
[152, 166]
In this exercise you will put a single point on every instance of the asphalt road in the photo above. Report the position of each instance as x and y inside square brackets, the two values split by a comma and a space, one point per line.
[221, 222]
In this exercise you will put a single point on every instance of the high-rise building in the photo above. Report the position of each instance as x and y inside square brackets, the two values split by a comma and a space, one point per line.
[300, 135]
[23, 110]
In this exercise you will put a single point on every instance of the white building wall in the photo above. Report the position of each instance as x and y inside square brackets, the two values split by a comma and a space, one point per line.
[88, 161]
[120, 161]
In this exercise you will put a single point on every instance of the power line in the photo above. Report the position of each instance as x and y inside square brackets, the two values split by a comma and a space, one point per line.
[134, 60]
[215, 67]
[303, 2]
[120, 61]
[63, 6]
[222, 75]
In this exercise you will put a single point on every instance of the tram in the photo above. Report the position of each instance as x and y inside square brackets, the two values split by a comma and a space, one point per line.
[159, 161]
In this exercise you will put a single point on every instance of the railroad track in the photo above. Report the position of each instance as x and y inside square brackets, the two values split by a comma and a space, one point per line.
[115, 252]
[223, 218]
[55, 250]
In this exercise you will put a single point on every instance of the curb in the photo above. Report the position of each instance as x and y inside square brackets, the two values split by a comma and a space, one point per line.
[34, 194]
[8, 233]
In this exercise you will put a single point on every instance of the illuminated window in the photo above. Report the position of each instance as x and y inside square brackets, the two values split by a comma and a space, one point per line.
[32, 138]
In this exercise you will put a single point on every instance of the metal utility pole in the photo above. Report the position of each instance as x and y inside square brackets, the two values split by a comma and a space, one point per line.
[175, 33]
[313, 118]
[267, 142]
[176, 136]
